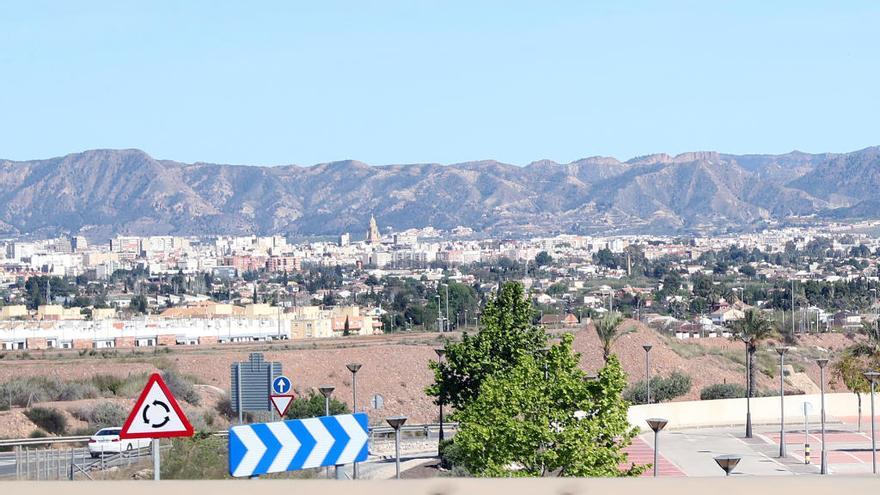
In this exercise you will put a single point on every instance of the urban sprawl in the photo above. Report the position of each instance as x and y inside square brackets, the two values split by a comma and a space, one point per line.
[171, 290]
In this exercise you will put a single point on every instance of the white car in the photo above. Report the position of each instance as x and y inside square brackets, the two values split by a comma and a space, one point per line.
[107, 441]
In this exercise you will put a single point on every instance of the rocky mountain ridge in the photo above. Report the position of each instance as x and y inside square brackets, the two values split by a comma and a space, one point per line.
[104, 192]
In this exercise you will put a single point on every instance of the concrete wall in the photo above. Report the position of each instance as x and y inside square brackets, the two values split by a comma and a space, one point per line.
[765, 410]
[800, 485]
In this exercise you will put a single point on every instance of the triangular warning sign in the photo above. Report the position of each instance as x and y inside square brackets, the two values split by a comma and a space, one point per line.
[156, 414]
[281, 403]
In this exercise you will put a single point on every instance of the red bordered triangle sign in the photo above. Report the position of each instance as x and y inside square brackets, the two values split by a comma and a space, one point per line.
[156, 414]
[281, 403]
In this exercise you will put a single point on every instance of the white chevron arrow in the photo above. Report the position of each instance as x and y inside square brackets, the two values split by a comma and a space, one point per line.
[358, 438]
[255, 450]
[289, 446]
[323, 442]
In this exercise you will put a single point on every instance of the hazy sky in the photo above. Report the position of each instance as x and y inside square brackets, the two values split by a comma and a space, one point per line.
[394, 82]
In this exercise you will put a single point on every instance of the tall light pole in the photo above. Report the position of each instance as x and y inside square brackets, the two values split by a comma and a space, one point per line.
[747, 339]
[647, 349]
[781, 351]
[439, 316]
[354, 367]
[327, 391]
[396, 422]
[872, 376]
[823, 461]
[447, 307]
[656, 424]
[440, 353]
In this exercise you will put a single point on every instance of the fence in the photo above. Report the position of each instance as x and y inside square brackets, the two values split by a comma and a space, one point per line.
[68, 464]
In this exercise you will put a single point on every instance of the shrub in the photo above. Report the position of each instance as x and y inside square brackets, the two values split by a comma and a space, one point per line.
[181, 386]
[50, 420]
[722, 391]
[662, 388]
[38, 434]
[101, 415]
[108, 384]
[66, 391]
[312, 406]
[201, 457]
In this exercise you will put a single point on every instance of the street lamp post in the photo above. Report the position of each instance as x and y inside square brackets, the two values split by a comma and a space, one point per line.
[447, 307]
[396, 422]
[823, 461]
[747, 339]
[781, 351]
[872, 376]
[439, 316]
[354, 367]
[647, 349]
[656, 424]
[327, 391]
[440, 353]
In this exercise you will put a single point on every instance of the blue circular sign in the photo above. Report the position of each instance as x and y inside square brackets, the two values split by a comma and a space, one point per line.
[281, 385]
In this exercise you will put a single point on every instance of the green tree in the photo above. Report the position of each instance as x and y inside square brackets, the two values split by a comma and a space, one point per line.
[753, 328]
[543, 259]
[522, 424]
[848, 370]
[609, 328]
[139, 304]
[506, 333]
[312, 406]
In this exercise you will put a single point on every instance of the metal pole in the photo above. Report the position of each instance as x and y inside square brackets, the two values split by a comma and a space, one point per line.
[873, 432]
[354, 401]
[648, 373]
[397, 453]
[439, 315]
[656, 443]
[155, 444]
[447, 308]
[781, 404]
[238, 387]
[748, 392]
[823, 458]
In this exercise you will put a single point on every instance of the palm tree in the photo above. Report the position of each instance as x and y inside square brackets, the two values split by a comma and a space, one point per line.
[608, 329]
[753, 328]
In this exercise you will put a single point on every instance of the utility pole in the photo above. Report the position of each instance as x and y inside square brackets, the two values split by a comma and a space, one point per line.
[792, 307]
[447, 306]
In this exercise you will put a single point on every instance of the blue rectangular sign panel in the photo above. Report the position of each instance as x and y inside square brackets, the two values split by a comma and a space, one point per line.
[297, 444]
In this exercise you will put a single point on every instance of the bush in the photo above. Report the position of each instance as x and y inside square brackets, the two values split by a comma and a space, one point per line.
[101, 415]
[38, 434]
[201, 457]
[723, 391]
[662, 388]
[181, 387]
[312, 406]
[50, 420]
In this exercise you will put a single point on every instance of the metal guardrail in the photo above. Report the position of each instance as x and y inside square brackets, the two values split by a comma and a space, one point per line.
[374, 430]
[42, 441]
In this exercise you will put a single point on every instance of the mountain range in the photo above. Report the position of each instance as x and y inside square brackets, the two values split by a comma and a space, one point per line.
[100, 193]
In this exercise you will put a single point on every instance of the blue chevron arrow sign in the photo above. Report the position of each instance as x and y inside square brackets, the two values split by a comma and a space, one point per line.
[297, 444]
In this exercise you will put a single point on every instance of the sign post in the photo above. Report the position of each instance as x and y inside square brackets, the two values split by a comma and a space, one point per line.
[156, 415]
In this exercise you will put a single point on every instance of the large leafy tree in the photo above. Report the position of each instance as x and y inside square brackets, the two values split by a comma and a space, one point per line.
[609, 328]
[506, 334]
[522, 424]
[753, 329]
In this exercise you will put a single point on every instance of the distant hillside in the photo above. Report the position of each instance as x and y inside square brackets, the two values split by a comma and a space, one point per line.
[102, 192]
